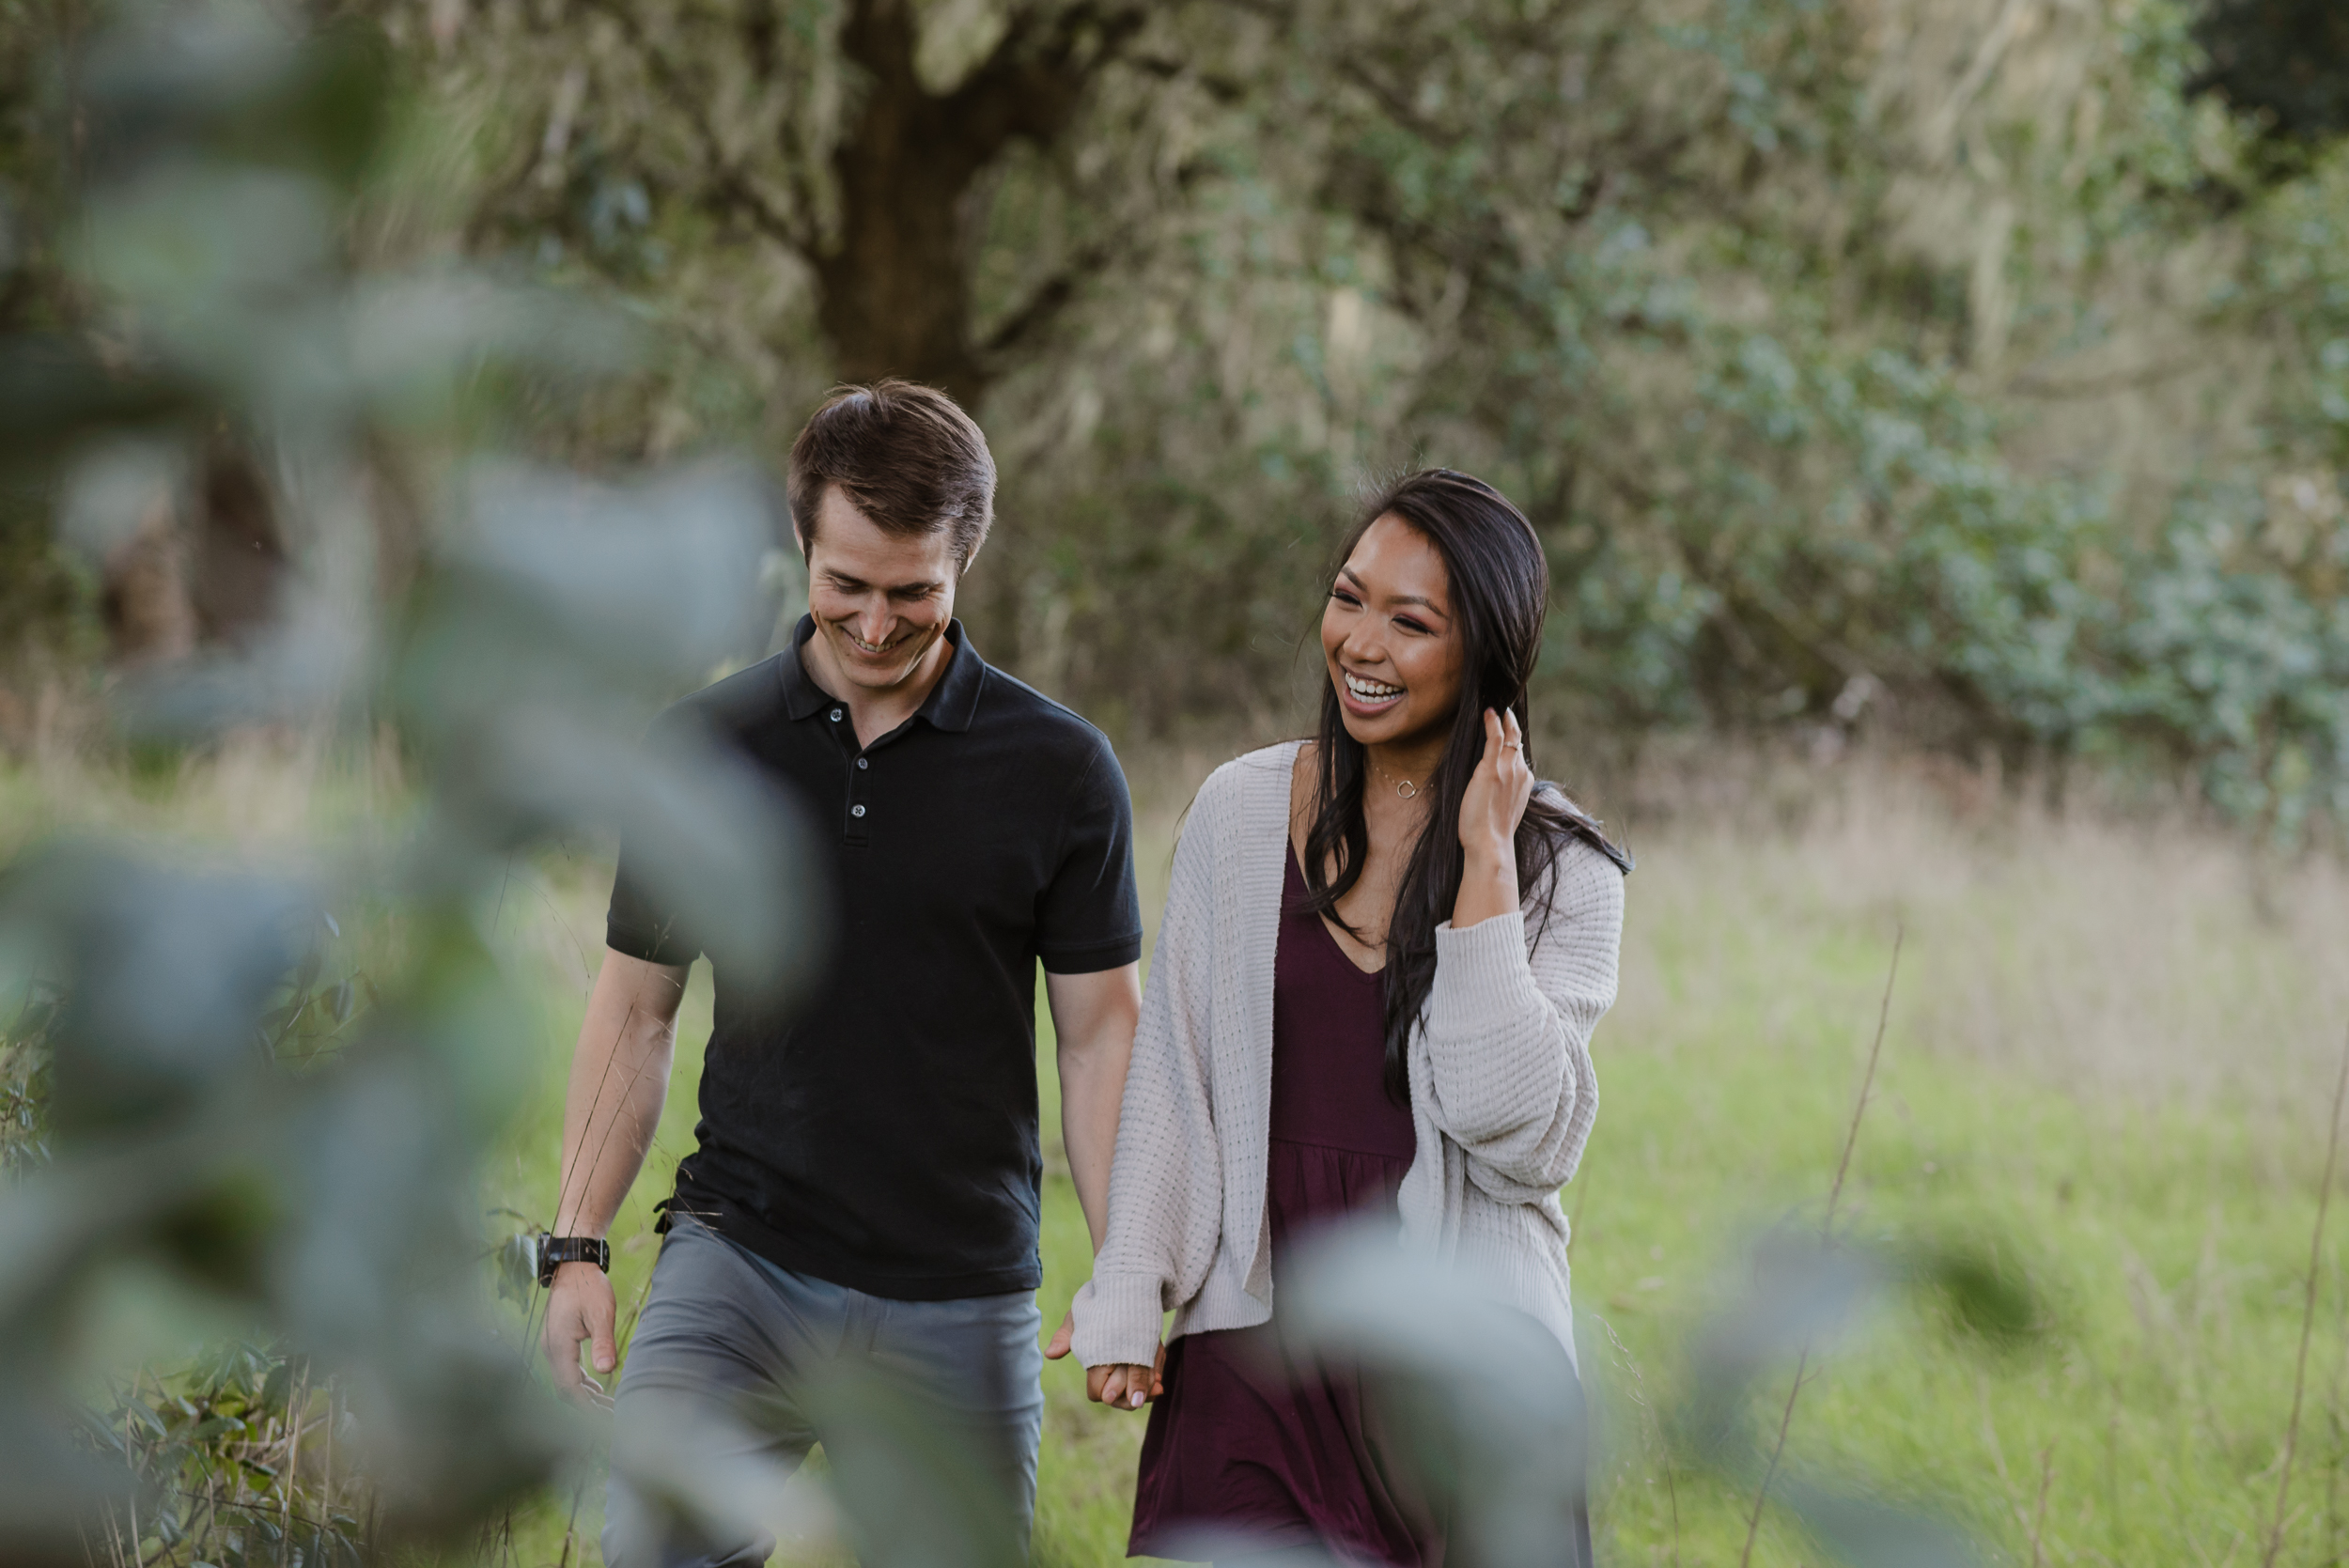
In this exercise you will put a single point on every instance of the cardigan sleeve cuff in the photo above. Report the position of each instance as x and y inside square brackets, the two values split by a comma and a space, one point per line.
[1482, 976]
[1117, 1320]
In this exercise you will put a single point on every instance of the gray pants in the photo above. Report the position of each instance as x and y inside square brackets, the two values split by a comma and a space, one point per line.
[929, 1411]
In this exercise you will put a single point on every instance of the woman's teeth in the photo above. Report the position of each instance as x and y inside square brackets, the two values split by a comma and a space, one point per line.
[1370, 693]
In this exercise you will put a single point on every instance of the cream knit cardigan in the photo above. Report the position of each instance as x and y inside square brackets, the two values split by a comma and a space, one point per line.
[1502, 1091]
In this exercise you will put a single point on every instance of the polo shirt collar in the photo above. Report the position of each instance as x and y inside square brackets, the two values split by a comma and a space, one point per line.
[951, 705]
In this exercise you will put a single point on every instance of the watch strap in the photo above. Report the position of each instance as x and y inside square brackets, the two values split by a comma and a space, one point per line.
[556, 1251]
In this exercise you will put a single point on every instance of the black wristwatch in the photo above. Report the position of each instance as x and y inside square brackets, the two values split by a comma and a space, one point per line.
[557, 1249]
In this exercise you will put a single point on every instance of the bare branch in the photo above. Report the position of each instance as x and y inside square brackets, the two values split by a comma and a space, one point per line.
[2029, 384]
[1223, 89]
[1031, 84]
[1049, 300]
[1398, 108]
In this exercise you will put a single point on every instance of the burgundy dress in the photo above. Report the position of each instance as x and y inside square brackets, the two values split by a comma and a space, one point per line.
[1254, 1436]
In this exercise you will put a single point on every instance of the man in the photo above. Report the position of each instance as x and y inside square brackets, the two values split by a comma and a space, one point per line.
[866, 1185]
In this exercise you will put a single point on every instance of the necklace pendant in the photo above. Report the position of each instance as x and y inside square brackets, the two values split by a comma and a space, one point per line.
[1408, 790]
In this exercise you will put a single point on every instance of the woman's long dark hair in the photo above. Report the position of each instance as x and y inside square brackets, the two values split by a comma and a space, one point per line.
[1500, 588]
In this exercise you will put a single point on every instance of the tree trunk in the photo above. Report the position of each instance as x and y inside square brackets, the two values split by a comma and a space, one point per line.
[896, 300]
[896, 289]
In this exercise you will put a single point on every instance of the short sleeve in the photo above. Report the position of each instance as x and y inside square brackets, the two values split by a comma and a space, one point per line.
[1088, 917]
[639, 923]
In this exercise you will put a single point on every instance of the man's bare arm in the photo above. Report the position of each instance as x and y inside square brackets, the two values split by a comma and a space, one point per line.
[1093, 1019]
[619, 1083]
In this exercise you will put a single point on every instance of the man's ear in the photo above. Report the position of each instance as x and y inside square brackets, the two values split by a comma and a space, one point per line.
[798, 537]
[965, 569]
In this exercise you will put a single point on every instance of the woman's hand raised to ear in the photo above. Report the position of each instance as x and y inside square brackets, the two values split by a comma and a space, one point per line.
[1489, 814]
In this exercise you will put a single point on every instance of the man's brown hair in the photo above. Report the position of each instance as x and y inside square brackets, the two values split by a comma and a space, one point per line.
[906, 456]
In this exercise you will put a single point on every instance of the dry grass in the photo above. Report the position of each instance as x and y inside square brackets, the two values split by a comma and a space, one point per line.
[2145, 955]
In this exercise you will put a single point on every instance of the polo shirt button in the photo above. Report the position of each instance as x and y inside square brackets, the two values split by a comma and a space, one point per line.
[835, 716]
[862, 762]
[856, 811]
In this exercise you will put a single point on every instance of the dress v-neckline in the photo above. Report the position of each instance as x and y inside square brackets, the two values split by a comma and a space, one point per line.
[1329, 931]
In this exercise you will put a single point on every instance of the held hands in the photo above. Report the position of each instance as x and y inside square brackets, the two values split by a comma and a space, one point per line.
[1127, 1388]
[580, 1309]
[1123, 1388]
[1490, 811]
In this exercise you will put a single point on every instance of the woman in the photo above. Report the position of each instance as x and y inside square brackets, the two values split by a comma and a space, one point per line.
[1383, 954]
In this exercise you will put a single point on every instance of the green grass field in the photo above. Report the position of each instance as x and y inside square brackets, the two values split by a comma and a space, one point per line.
[2111, 1051]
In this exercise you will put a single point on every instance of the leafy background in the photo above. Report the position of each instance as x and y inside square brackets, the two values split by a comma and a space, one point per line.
[1973, 367]
[1933, 409]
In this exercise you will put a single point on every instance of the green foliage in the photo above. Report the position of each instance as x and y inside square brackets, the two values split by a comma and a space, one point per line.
[220, 1131]
[1924, 365]
[25, 1085]
[235, 1458]
[1961, 371]
[216, 1448]
[1977, 1283]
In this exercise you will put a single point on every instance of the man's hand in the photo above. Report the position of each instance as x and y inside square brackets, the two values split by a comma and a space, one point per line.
[619, 1079]
[1127, 1388]
[580, 1308]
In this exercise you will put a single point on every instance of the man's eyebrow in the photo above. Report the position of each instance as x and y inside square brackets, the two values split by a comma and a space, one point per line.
[844, 579]
[1347, 572]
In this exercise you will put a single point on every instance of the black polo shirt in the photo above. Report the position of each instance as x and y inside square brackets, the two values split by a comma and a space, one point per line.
[880, 1132]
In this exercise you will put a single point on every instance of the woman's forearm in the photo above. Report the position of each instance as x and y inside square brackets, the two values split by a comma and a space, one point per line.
[1488, 887]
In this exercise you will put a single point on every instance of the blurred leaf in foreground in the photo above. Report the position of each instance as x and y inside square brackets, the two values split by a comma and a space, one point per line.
[234, 1149]
[1496, 1426]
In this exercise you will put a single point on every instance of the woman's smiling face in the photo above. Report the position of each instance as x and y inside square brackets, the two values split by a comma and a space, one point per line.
[1388, 634]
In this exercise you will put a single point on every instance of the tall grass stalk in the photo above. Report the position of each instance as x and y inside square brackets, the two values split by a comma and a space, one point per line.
[2039, 1513]
[2308, 1313]
[1827, 1235]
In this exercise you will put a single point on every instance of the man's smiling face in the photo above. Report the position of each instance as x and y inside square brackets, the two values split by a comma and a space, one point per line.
[880, 600]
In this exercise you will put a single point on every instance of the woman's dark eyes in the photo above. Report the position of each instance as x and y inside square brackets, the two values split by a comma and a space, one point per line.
[1343, 596]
